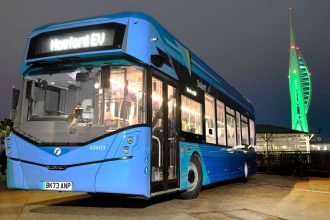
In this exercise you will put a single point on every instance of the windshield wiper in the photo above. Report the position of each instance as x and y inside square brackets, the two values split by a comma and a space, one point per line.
[27, 135]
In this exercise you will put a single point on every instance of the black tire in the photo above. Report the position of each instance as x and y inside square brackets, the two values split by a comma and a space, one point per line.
[245, 176]
[105, 195]
[98, 195]
[195, 176]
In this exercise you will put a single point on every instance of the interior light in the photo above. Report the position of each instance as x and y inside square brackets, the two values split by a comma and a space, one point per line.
[156, 98]
[97, 85]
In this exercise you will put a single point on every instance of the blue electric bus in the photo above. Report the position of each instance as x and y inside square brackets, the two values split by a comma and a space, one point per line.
[116, 104]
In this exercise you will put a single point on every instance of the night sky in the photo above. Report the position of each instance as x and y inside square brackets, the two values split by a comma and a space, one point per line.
[246, 42]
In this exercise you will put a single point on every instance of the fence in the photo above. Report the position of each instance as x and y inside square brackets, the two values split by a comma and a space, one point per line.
[295, 162]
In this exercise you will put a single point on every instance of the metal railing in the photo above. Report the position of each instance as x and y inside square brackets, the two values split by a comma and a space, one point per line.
[294, 162]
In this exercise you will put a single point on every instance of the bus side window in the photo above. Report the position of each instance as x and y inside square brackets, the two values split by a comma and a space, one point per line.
[252, 132]
[238, 128]
[191, 115]
[221, 135]
[245, 130]
[231, 127]
[210, 119]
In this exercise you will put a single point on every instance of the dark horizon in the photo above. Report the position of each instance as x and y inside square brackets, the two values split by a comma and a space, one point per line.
[247, 43]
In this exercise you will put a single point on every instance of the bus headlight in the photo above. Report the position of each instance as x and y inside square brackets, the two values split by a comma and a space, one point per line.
[7, 141]
[125, 150]
[130, 140]
[8, 151]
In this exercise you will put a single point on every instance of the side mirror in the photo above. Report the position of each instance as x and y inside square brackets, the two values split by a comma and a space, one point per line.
[157, 60]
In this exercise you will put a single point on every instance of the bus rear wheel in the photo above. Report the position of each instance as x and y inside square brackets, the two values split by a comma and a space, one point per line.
[195, 176]
[245, 177]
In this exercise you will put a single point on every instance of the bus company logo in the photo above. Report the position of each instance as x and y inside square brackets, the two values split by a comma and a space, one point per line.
[201, 85]
[57, 151]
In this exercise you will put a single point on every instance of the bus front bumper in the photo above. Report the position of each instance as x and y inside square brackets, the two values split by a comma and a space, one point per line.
[119, 175]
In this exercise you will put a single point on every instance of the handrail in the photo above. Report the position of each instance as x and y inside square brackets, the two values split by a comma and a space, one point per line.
[159, 150]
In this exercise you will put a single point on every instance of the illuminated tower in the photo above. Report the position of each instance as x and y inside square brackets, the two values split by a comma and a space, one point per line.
[300, 84]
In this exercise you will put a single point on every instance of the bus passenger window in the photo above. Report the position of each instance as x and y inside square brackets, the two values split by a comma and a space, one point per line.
[210, 119]
[221, 123]
[245, 131]
[191, 115]
[238, 128]
[252, 132]
[231, 133]
[231, 127]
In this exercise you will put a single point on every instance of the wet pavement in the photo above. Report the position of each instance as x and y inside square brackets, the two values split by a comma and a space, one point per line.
[263, 197]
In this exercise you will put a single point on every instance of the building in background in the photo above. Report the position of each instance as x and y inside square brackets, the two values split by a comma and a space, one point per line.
[320, 145]
[299, 83]
[274, 138]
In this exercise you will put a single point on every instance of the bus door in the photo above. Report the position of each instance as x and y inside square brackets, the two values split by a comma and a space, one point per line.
[164, 149]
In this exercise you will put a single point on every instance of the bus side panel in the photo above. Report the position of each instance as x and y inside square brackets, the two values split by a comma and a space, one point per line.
[138, 43]
[218, 163]
[131, 176]
[15, 177]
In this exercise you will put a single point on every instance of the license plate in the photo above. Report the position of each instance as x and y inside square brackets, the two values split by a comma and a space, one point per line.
[58, 186]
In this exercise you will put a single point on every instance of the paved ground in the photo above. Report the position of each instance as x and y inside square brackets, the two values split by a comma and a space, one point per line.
[263, 197]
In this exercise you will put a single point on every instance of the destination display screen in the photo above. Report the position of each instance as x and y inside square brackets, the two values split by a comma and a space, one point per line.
[74, 40]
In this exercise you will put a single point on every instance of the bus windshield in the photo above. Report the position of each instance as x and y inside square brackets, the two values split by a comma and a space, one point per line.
[78, 105]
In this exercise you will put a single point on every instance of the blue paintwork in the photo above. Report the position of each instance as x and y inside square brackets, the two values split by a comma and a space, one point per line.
[130, 176]
[120, 176]
[218, 163]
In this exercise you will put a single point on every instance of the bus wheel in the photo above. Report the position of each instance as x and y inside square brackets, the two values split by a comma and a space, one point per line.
[195, 176]
[244, 178]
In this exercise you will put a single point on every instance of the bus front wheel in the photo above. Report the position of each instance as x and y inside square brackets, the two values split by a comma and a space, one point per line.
[195, 176]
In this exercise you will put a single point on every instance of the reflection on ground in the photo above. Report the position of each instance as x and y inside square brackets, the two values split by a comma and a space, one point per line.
[263, 197]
